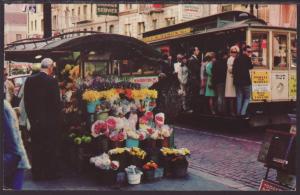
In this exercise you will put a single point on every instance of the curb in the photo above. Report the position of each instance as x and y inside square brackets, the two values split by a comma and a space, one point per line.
[221, 180]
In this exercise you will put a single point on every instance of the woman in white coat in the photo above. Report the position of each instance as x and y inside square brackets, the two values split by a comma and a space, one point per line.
[230, 93]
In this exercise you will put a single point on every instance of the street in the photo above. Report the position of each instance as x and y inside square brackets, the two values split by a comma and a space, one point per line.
[219, 161]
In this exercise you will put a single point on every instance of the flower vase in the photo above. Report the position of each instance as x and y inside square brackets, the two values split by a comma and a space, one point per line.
[91, 106]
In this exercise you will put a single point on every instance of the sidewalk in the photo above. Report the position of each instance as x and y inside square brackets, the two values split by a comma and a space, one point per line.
[195, 181]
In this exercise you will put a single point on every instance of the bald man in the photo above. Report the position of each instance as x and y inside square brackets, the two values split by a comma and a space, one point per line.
[42, 105]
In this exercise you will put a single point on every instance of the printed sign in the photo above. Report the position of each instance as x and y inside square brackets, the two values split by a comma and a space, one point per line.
[108, 9]
[260, 85]
[168, 35]
[280, 86]
[267, 185]
[191, 11]
[145, 81]
[292, 86]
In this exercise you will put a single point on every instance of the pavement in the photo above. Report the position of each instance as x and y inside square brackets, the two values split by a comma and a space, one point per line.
[218, 162]
[233, 158]
[194, 181]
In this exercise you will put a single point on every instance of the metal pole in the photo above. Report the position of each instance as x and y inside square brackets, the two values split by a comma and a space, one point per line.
[47, 20]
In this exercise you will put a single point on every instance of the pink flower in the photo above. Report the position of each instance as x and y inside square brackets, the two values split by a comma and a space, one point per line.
[111, 123]
[149, 115]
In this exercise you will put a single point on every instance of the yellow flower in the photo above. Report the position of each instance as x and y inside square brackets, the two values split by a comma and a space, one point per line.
[90, 96]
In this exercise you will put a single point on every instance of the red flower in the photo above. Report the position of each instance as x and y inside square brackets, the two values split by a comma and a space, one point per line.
[141, 137]
[128, 93]
[111, 123]
[149, 115]
[150, 131]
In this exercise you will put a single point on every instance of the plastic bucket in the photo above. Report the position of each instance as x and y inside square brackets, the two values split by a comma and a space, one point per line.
[134, 178]
[159, 173]
[91, 106]
[130, 143]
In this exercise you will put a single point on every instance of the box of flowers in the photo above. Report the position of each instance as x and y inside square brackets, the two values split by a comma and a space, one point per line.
[106, 170]
[121, 155]
[174, 161]
[152, 171]
[137, 156]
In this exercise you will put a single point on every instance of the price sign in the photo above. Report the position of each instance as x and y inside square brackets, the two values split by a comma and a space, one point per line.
[260, 85]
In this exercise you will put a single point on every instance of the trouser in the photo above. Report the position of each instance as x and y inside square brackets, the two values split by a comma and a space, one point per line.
[183, 95]
[220, 97]
[243, 98]
[16, 181]
[44, 153]
[193, 97]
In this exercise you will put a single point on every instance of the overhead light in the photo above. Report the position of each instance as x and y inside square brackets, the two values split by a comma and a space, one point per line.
[92, 53]
[38, 57]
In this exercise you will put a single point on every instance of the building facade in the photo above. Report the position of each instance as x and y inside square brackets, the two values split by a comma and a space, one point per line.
[135, 19]
[15, 23]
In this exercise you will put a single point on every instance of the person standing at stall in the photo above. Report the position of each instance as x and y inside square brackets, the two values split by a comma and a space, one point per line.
[210, 87]
[230, 93]
[194, 65]
[42, 105]
[219, 77]
[242, 80]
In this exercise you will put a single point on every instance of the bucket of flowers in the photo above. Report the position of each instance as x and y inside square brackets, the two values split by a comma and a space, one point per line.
[100, 132]
[152, 171]
[121, 155]
[174, 161]
[137, 156]
[105, 169]
[92, 99]
[117, 134]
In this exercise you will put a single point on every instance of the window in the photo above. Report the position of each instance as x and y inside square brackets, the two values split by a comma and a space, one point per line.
[279, 51]
[18, 37]
[141, 27]
[111, 28]
[226, 8]
[170, 21]
[293, 51]
[73, 12]
[92, 29]
[259, 44]
[127, 30]
[42, 25]
[67, 18]
[31, 25]
[85, 12]
[92, 11]
[35, 25]
[54, 22]
[78, 13]
[95, 68]
[128, 6]
[154, 23]
[99, 29]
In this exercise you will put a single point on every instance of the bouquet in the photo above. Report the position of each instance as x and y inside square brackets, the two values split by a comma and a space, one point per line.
[117, 151]
[118, 136]
[150, 166]
[137, 152]
[90, 96]
[103, 162]
[175, 152]
[99, 128]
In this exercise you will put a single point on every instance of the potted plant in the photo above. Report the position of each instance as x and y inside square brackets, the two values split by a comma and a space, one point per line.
[149, 170]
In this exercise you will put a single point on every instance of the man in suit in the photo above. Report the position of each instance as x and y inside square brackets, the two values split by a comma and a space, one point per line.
[194, 64]
[42, 105]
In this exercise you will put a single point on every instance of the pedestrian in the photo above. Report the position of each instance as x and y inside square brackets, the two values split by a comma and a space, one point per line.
[219, 78]
[230, 93]
[210, 88]
[15, 160]
[166, 66]
[242, 81]
[23, 119]
[42, 105]
[9, 87]
[194, 66]
[178, 63]
[182, 75]
[203, 75]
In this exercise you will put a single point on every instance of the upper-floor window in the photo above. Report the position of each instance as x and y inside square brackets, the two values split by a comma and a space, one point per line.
[99, 29]
[127, 30]
[85, 12]
[141, 27]
[35, 25]
[18, 37]
[170, 21]
[111, 29]
[154, 23]
[226, 8]
[78, 13]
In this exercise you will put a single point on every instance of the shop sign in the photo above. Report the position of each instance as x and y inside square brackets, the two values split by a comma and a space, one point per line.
[292, 86]
[280, 86]
[167, 35]
[191, 11]
[145, 81]
[267, 185]
[108, 9]
[260, 85]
